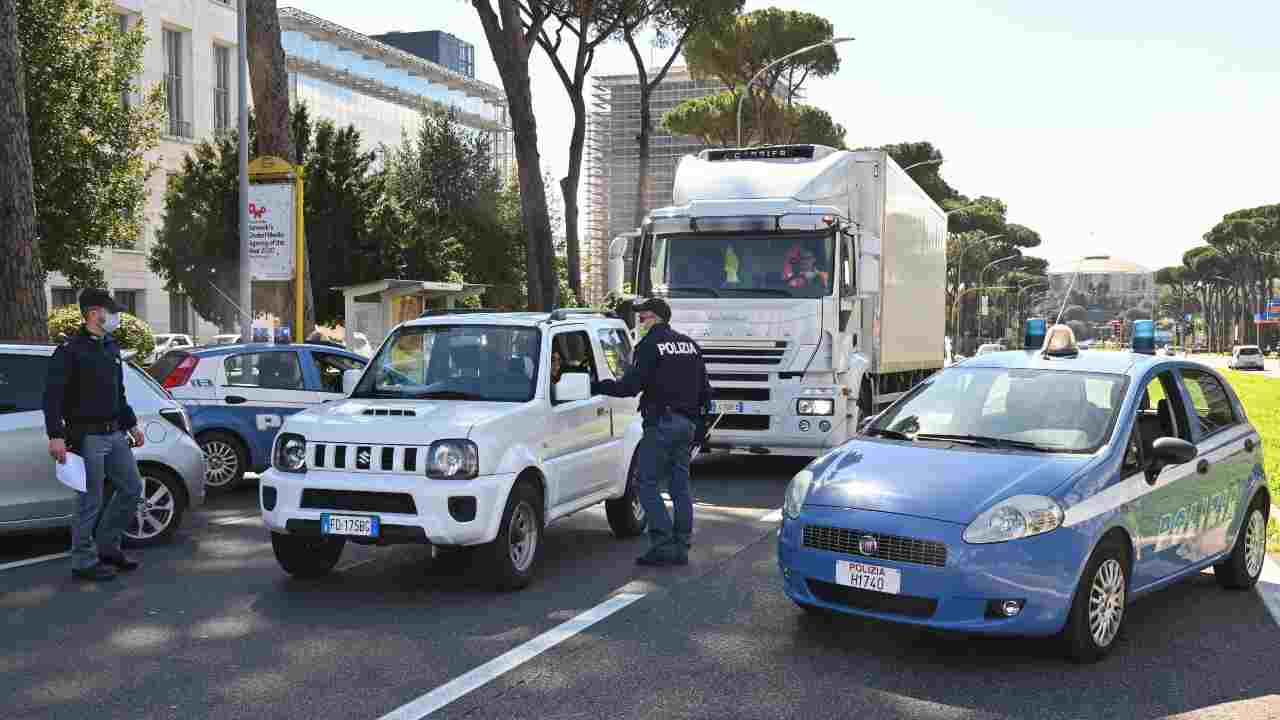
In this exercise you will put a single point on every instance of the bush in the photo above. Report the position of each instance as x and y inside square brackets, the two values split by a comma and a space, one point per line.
[133, 333]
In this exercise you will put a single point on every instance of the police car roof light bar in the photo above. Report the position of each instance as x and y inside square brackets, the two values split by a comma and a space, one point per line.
[1144, 337]
[1034, 337]
[1060, 342]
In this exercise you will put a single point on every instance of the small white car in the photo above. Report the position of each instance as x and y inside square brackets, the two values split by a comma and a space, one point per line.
[989, 348]
[455, 436]
[1244, 357]
[169, 341]
[225, 339]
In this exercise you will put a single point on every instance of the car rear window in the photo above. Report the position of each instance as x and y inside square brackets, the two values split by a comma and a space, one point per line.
[1249, 351]
[161, 368]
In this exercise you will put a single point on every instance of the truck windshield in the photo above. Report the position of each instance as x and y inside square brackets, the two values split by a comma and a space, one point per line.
[743, 264]
[455, 362]
[1039, 410]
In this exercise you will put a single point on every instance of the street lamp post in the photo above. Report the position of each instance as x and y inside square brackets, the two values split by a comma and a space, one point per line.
[784, 58]
[982, 278]
[1021, 289]
[960, 270]
[922, 162]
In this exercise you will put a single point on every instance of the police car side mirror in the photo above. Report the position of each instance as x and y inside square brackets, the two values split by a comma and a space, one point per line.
[1173, 451]
[866, 423]
[573, 387]
[350, 378]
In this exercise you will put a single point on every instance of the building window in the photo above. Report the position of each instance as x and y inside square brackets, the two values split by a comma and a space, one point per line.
[179, 126]
[221, 87]
[64, 296]
[179, 314]
[128, 301]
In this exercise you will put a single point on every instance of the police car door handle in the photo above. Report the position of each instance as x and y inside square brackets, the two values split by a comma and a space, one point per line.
[234, 400]
[601, 411]
[1202, 467]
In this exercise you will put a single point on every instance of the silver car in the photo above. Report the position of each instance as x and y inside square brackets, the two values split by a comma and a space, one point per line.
[171, 463]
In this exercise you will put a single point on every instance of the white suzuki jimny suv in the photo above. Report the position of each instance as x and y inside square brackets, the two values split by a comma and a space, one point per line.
[456, 436]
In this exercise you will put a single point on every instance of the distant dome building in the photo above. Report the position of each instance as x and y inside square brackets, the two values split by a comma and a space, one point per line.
[1103, 275]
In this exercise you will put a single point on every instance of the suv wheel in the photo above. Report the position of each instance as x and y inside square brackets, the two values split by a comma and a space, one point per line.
[626, 514]
[513, 555]
[226, 460]
[307, 556]
[1243, 567]
[159, 510]
[1096, 615]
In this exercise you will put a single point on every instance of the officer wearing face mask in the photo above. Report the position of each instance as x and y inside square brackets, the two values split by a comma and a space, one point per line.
[85, 412]
[670, 372]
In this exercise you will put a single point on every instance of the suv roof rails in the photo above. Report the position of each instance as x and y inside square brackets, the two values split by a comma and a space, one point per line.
[436, 312]
[565, 313]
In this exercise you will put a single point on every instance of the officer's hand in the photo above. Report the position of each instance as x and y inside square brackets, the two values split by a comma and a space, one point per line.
[58, 450]
[138, 439]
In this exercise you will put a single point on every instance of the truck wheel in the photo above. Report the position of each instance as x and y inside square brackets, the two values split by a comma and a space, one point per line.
[513, 555]
[626, 514]
[1094, 621]
[1241, 569]
[307, 556]
[226, 460]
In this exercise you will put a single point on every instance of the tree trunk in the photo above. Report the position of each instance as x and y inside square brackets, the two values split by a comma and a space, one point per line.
[510, 44]
[642, 155]
[569, 189]
[269, 80]
[25, 315]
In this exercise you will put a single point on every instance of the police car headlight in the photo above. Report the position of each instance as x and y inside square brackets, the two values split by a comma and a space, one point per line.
[797, 490]
[1017, 517]
[290, 454]
[453, 460]
[815, 406]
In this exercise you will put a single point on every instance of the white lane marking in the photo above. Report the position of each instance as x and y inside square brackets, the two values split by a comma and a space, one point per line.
[235, 520]
[1268, 587]
[34, 560]
[772, 517]
[508, 661]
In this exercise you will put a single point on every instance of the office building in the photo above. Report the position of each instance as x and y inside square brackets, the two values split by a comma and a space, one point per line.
[437, 46]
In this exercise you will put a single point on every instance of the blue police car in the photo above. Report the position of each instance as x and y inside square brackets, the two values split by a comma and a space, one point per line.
[238, 396]
[1032, 493]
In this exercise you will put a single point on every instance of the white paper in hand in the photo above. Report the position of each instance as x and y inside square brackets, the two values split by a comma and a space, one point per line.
[71, 473]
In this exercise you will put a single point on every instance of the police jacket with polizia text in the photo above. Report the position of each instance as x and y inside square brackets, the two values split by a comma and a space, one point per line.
[669, 370]
[86, 385]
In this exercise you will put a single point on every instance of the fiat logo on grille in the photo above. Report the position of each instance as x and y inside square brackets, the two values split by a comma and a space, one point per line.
[868, 545]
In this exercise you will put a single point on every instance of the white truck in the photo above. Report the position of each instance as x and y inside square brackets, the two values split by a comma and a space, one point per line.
[813, 278]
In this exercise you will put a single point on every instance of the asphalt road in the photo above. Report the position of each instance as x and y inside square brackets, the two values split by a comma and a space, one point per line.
[210, 627]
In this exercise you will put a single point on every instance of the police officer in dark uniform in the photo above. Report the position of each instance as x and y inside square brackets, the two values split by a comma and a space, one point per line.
[85, 412]
[669, 370]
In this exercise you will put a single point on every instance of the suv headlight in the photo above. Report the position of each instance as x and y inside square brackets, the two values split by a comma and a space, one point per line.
[291, 453]
[1017, 517]
[797, 490]
[453, 460]
[815, 406]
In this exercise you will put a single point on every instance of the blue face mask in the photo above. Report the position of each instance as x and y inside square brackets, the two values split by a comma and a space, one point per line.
[111, 323]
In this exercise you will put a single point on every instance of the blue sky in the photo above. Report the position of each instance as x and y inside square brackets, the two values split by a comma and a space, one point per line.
[1126, 128]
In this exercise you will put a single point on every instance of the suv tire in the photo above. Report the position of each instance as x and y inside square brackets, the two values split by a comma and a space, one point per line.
[307, 556]
[513, 555]
[626, 514]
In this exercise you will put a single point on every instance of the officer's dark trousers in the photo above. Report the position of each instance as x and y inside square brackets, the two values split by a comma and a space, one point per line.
[663, 455]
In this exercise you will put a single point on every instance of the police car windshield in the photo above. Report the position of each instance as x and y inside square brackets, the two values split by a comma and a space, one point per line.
[744, 265]
[455, 362]
[1041, 410]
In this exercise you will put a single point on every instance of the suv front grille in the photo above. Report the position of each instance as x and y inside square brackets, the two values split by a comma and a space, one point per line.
[905, 605]
[890, 547]
[314, 499]
[386, 459]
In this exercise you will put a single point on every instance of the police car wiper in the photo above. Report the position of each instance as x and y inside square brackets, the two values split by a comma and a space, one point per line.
[885, 432]
[986, 441]
[691, 288]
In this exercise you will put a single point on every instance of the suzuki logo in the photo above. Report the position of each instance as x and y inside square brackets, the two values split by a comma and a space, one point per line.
[868, 545]
[363, 459]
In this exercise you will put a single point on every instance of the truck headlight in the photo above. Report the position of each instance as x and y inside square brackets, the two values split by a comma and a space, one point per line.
[815, 406]
[291, 453]
[453, 460]
[1017, 517]
[797, 490]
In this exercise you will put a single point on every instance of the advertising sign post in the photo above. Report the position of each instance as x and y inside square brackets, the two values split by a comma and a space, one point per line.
[277, 237]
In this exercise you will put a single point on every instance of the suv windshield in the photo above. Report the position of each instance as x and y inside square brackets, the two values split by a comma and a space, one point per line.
[1046, 410]
[455, 362]
[743, 264]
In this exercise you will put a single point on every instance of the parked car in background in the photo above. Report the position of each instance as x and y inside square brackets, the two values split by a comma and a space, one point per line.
[166, 342]
[1247, 357]
[989, 348]
[239, 395]
[225, 339]
[31, 498]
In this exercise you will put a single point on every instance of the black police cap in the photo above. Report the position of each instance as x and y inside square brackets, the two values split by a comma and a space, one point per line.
[655, 305]
[94, 297]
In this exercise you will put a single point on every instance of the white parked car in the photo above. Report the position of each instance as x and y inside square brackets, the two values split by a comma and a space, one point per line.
[225, 339]
[989, 348]
[169, 341]
[455, 436]
[1244, 357]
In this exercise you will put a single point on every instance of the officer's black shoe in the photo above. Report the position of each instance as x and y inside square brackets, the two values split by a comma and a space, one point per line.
[663, 556]
[120, 562]
[96, 573]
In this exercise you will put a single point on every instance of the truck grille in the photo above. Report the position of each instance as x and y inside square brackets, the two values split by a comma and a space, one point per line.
[739, 393]
[741, 354]
[367, 458]
[743, 422]
[890, 547]
[905, 605]
[315, 499]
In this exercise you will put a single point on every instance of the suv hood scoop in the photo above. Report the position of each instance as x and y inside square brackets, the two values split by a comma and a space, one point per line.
[390, 412]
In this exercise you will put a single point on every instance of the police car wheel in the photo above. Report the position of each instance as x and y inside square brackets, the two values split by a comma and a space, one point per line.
[626, 514]
[307, 556]
[1243, 567]
[1097, 613]
[159, 511]
[225, 458]
[513, 555]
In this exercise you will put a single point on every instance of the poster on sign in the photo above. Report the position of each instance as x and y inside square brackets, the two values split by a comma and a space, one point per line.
[271, 239]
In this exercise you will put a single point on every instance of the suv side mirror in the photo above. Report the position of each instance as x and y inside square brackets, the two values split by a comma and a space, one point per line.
[573, 387]
[350, 378]
[1173, 451]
